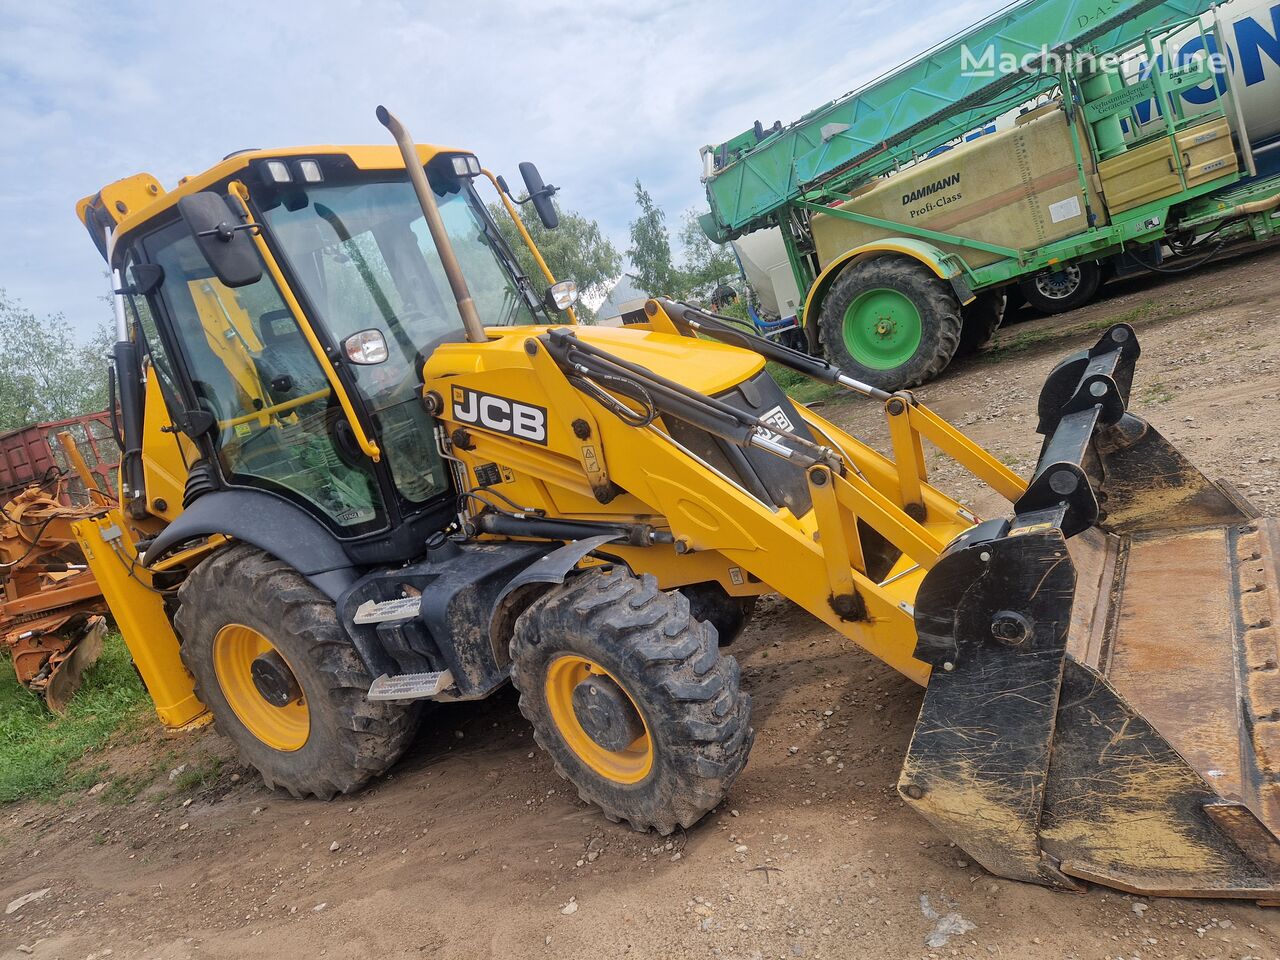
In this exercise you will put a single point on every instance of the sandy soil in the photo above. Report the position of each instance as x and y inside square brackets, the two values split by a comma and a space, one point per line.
[473, 847]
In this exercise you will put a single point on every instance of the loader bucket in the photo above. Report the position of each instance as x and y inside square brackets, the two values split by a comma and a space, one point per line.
[1104, 704]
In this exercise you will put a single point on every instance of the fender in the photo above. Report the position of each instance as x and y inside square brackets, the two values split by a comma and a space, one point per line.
[552, 568]
[268, 523]
[944, 265]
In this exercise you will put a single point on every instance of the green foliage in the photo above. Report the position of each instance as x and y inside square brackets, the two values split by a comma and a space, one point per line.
[199, 773]
[575, 250]
[799, 387]
[650, 251]
[737, 310]
[706, 264]
[1158, 392]
[45, 373]
[39, 752]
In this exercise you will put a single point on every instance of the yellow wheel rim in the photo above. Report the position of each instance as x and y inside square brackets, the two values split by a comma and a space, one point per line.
[283, 728]
[632, 763]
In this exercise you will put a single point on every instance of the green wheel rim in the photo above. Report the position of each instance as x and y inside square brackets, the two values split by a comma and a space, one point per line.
[882, 329]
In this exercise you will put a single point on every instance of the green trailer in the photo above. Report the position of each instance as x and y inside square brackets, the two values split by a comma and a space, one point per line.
[902, 234]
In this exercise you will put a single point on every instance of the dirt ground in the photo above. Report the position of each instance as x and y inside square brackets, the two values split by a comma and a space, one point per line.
[473, 847]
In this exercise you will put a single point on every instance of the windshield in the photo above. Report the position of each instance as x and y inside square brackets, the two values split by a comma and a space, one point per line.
[360, 248]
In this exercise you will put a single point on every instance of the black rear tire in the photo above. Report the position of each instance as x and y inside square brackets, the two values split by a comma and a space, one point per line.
[1057, 291]
[712, 603]
[982, 318]
[667, 663]
[933, 299]
[349, 739]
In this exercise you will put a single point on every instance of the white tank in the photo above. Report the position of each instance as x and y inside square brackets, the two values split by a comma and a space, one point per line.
[764, 263]
[1252, 32]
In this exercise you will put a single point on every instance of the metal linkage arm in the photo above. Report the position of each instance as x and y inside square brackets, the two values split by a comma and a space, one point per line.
[718, 328]
[1085, 393]
[588, 367]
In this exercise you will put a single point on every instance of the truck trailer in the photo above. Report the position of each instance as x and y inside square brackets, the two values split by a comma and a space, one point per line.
[1125, 137]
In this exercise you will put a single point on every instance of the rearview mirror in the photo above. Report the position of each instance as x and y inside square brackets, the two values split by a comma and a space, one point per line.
[366, 348]
[222, 237]
[142, 279]
[540, 193]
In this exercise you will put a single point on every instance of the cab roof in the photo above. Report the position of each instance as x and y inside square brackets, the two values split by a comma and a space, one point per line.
[133, 201]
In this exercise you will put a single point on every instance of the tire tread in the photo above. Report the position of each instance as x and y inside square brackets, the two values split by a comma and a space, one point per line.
[370, 736]
[700, 704]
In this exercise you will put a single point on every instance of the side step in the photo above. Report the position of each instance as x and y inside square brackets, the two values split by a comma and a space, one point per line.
[410, 686]
[388, 611]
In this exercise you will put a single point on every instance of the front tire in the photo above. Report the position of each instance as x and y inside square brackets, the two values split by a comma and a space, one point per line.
[628, 693]
[280, 675]
[890, 322]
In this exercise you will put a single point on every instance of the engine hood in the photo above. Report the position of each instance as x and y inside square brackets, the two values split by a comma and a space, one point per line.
[703, 365]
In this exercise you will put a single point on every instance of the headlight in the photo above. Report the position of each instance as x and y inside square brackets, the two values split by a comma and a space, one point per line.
[563, 295]
[466, 167]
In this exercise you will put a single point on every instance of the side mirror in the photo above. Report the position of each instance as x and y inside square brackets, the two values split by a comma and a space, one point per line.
[540, 193]
[142, 279]
[222, 238]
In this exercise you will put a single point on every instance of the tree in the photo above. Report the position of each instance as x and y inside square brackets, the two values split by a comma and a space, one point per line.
[706, 264]
[45, 372]
[575, 250]
[650, 252]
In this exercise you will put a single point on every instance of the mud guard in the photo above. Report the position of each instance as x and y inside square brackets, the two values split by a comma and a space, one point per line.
[551, 568]
[1053, 744]
[271, 524]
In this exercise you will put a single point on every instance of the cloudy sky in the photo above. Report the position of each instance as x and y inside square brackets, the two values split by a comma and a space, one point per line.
[596, 93]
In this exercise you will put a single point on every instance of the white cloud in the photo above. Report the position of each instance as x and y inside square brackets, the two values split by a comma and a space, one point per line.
[597, 94]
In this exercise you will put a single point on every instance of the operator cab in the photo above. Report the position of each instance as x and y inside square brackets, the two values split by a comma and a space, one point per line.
[287, 309]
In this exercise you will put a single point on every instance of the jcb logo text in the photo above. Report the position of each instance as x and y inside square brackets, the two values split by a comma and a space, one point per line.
[500, 415]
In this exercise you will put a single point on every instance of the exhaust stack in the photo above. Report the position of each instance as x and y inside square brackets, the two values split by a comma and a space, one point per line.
[417, 176]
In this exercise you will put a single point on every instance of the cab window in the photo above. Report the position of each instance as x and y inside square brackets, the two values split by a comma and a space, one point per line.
[250, 366]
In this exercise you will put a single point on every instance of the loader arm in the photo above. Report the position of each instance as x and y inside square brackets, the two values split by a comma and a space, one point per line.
[1042, 748]
[853, 556]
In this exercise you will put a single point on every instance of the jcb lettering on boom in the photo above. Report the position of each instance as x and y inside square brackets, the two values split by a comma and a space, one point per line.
[777, 417]
[500, 415]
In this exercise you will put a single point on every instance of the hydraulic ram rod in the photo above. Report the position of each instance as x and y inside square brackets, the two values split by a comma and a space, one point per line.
[686, 315]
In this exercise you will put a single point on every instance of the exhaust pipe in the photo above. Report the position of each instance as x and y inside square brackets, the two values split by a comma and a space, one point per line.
[471, 324]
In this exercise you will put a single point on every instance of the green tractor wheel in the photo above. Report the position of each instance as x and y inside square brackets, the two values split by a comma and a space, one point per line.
[882, 328]
[890, 322]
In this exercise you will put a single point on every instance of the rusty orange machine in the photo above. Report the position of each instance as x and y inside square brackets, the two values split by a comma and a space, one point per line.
[52, 612]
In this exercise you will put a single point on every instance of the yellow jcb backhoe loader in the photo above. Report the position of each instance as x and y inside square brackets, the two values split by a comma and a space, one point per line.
[368, 463]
